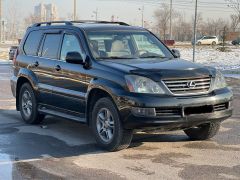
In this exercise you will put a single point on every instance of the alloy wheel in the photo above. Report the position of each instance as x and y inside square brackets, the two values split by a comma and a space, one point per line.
[27, 103]
[105, 125]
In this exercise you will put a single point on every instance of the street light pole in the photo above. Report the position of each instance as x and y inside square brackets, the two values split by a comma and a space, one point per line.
[195, 28]
[142, 16]
[75, 11]
[170, 19]
[142, 11]
[96, 14]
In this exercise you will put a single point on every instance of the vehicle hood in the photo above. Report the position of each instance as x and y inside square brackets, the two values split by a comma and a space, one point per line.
[155, 68]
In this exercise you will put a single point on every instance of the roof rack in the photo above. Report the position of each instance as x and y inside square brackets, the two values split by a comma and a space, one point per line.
[52, 22]
[70, 23]
[101, 22]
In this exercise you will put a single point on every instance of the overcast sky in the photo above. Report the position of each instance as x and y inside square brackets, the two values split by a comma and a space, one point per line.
[126, 10]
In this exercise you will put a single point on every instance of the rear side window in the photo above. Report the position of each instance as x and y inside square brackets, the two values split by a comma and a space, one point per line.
[51, 46]
[32, 43]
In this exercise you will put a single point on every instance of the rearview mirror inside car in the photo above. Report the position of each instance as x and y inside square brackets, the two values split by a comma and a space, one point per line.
[74, 58]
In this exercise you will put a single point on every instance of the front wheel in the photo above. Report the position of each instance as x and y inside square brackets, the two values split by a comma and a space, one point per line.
[107, 126]
[214, 43]
[203, 132]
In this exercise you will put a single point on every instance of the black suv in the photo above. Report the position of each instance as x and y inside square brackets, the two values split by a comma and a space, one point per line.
[115, 78]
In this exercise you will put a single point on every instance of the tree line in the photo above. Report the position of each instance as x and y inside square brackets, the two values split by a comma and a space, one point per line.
[183, 28]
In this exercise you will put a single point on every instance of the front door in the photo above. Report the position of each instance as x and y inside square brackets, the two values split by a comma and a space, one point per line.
[70, 84]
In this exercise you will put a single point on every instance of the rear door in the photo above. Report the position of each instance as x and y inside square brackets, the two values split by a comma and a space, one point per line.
[70, 84]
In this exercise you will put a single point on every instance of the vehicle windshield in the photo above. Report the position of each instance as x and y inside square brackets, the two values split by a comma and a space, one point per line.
[126, 45]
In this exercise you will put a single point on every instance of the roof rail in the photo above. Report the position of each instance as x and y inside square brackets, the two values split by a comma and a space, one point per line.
[101, 22]
[52, 22]
[70, 23]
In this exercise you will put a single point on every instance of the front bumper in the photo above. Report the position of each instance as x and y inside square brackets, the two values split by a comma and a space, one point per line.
[192, 110]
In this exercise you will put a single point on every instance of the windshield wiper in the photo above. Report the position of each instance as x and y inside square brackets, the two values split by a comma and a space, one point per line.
[114, 57]
[162, 57]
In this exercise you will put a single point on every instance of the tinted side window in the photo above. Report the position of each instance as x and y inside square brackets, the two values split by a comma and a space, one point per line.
[70, 44]
[51, 46]
[32, 43]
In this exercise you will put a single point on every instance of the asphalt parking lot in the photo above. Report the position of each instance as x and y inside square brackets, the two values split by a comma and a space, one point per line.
[60, 149]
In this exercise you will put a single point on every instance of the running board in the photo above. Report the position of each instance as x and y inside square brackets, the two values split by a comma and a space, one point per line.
[44, 110]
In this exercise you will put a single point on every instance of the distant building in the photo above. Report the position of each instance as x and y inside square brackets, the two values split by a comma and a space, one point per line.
[46, 12]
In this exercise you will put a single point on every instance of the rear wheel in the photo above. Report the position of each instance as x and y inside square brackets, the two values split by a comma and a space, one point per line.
[28, 105]
[107, 126]
[203, 132]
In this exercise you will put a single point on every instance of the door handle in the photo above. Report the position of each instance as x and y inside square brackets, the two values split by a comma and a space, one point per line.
[57, 68]
[36, 64]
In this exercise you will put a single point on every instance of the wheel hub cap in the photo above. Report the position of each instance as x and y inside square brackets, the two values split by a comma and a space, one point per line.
[105, 125]
[27, 104]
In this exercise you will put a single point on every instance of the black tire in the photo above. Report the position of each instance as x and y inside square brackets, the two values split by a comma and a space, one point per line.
[203, 132]
[121, 138]
[34, 117]
[199, 43]
[214, 43]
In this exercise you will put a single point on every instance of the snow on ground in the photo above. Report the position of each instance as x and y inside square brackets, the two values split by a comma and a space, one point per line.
[209, 56]
[4, 49]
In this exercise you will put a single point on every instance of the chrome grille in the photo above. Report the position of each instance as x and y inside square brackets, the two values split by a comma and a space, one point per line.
[189, 85]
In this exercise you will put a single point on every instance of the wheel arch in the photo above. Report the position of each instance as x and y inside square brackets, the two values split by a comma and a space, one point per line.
[94, 94]
[24, 77]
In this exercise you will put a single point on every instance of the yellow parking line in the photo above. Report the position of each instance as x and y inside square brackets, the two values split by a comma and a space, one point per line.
[7, 100]
[7, 107]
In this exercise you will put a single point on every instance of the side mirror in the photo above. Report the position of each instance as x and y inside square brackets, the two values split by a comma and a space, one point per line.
[176, 53]
[74, 58]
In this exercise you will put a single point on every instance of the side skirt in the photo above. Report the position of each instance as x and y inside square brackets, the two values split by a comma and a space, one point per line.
[62, 113]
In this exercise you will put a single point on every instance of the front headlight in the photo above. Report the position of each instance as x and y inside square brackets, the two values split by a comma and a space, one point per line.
[141, 84]
[219, 82]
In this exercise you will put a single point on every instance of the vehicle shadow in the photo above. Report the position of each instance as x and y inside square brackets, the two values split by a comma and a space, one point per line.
[152, 137]
[57, 138]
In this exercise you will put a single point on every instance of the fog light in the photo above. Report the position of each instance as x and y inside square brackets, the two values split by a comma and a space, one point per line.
[143, 111]
[230, 104]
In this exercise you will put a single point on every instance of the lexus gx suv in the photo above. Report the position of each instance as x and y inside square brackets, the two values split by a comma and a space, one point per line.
[115, 78]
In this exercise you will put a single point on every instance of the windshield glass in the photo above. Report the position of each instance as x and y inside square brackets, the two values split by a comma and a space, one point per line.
[126, 45]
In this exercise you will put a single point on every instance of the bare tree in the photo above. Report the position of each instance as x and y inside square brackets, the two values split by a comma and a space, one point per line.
[235, 17]
[182, 30]
[13, 24]
[162, 16]
[213, 27]
[234, 22]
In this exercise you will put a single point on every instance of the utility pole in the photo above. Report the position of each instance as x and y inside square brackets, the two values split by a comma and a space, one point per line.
[0, 21]
[194, 30]
[170, 19]
[75, 10]
[96, 14]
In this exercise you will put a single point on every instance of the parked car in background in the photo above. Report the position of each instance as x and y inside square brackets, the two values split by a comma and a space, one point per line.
[12, 52]
[115, 78]
[208, 40]
[236, 41]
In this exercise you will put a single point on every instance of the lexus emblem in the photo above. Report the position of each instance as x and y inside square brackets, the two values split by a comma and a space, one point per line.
[191, 84]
